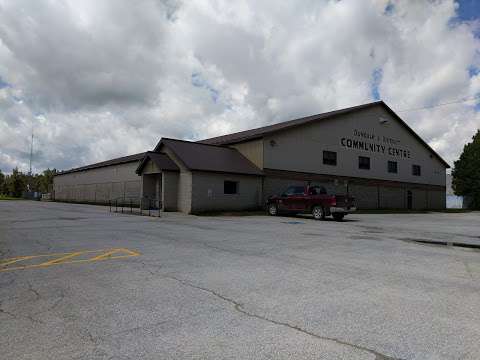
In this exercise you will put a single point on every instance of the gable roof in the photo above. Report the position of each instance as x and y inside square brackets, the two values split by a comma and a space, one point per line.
[116, 161]
[162, 161]
[204, 157]
[266, 130]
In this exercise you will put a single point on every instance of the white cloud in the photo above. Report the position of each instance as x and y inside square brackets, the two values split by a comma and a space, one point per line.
[109, 78]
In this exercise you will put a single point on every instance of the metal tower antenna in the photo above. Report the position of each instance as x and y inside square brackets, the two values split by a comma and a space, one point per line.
[31, 154]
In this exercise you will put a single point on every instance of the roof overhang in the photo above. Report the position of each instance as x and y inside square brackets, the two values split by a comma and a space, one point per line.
[161, 160]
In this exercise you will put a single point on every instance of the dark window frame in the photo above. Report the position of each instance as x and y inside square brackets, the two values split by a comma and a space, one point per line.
[227, 190]
[416, 170]
[392, 167]
[364, 162]
[329, 158]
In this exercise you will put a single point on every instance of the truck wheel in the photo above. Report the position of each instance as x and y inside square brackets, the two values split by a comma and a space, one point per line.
[318, 213]
[338, 216]
[272, 210]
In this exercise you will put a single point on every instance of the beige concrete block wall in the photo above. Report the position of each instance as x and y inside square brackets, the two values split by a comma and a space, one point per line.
[252, 150]
[98, 185]
[117, 190]
[208, 192]
[184, 193]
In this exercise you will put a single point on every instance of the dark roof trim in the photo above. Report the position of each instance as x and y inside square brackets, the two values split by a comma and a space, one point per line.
[162, 161]
[227, 172]
[116, 161]
[258, 133]
[186, 141]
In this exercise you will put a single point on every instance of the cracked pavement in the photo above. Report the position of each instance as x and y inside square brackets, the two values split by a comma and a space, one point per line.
[252, 287]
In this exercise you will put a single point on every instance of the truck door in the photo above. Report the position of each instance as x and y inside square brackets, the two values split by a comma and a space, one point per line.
[293, 198]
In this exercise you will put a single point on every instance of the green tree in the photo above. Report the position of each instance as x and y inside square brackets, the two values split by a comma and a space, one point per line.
[16, 183]
[46, 180]
[2, 183]
[466, 172]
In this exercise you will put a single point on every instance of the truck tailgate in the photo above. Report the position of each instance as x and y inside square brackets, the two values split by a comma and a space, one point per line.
[345, 201]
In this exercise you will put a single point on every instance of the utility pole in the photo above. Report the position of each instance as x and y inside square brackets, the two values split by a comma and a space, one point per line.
[29, 185]
[31, 154]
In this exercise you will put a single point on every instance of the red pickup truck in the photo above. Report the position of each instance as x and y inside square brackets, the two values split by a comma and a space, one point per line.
[311, 199]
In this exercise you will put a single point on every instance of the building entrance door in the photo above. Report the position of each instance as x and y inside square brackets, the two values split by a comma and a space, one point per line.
[152, 190]
[409, 199]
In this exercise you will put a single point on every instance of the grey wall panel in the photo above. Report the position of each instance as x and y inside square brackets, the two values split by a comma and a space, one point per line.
[208, 192]
[420, 199]
[436, 200]
[366, 197]
[301, 149]
[391, 197]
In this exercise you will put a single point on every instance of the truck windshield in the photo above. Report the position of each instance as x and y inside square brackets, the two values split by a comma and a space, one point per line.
[294, 190]
[317, 190]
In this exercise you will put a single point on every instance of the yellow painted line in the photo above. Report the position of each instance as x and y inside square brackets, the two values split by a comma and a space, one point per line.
[109, 254]
[104, 256]
[67, 258]
[14, 260]
[62, 259]
[130, 252]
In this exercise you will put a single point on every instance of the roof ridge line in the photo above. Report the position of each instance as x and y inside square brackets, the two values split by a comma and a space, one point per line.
[293, 120]
[196, 143]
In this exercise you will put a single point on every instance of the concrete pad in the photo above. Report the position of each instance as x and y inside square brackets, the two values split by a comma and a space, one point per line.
[252, 287]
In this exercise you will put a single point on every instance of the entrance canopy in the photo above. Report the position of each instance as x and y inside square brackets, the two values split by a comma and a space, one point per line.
[158, 162]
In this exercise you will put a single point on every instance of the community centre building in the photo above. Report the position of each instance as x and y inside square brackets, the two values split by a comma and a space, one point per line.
[366, 151]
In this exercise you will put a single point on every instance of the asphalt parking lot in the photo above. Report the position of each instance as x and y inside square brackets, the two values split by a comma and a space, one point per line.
[77, 282]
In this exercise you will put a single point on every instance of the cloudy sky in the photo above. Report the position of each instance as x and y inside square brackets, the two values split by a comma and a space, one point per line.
[101, 79]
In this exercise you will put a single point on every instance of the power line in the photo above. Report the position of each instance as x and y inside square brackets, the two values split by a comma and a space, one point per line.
[442, 104]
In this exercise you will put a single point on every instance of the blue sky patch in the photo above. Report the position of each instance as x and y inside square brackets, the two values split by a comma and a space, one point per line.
[468, 9]
[390, 8]
[3, 84]
[473, 71]
[199, 81]
[375, 83]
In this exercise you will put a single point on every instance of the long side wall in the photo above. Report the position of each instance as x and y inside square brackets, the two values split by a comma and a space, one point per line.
[98, 185]
[208, 192]
[368, 193]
